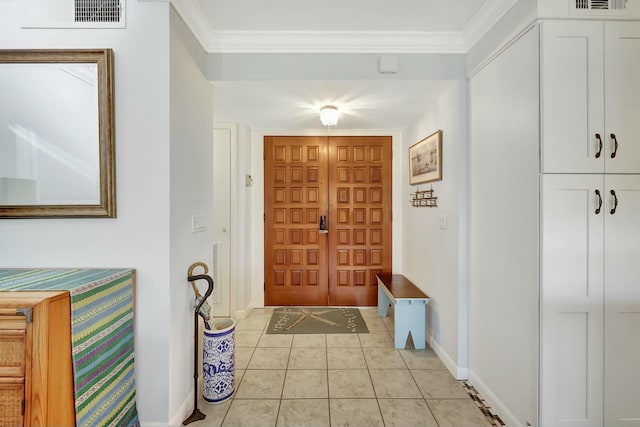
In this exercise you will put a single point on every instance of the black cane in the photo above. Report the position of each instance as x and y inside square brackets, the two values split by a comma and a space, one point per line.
[196, 415]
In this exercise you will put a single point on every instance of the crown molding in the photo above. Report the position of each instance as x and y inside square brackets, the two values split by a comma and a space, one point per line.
[193, 16]
[335, 42]
[486, 17]
[341, 41]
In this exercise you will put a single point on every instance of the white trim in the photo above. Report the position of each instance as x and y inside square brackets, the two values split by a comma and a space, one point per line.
[182, 413]
[460, 373]
[154, 423]
[193, 17]
[488, 15]
[501, 49]
[341, 41]
[334, 42]
[496, 404]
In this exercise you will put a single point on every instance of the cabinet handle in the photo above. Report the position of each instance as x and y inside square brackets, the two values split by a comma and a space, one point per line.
[599, 202]
[615, 145]
[615, 202]
[599, 145]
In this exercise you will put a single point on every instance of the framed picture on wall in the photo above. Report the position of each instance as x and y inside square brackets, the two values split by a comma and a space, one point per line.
[425, 159]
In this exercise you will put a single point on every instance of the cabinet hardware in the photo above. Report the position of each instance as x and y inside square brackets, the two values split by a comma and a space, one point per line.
[599, 138]
[26, 312]
[615, 145]
[599, 202]
[615, 202]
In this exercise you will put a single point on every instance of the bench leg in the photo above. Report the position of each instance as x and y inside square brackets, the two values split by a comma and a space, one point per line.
[383, 303]
[409, 316]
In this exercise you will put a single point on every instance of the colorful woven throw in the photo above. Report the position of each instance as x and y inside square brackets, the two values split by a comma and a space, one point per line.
[101, 334]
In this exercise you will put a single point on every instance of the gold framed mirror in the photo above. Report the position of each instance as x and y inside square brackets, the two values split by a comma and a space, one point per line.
[57, 134]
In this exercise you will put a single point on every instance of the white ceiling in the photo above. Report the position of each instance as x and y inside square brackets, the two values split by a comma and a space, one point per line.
[339, 15]
[295, 105]
[262, 26]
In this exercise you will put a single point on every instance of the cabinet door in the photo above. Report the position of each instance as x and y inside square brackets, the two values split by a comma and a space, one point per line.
[622, 113]
[571, 301]
[622, 302]
[572, 96]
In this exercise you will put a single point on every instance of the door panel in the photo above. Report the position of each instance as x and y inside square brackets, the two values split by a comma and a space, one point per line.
[571, 361]
[359, 219]
[573, 89]
[621, 301]
[295, 198]
[622, 50]
[221, 264]
[345, 179]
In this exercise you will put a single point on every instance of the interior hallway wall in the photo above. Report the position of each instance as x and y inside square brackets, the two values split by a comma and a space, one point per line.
[503, 284]
[139, 236]
[435, 258]
[192, 193]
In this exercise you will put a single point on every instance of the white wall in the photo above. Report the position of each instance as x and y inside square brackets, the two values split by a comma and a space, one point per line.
[503, 274]
[139, 236]
[191, 183]
[434, 258]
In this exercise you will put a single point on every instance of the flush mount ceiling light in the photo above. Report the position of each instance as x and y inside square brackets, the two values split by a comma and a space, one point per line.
[329, 115]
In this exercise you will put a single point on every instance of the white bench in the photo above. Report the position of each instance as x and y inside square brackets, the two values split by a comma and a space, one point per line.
[409, 304]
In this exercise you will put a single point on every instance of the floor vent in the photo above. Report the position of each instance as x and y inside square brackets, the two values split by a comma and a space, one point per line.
[98, 11]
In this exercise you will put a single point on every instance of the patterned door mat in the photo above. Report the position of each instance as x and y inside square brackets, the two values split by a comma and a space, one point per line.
[317, 320]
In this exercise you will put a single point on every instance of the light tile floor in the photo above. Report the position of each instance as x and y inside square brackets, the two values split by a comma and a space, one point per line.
[339, 380]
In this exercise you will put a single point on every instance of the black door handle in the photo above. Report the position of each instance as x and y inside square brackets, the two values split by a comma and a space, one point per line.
[615, 202]
[599, 138]
[323, 223]
[599, 202]
[615, 145]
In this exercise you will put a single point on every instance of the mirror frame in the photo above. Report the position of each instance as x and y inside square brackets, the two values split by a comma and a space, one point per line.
[103, 58]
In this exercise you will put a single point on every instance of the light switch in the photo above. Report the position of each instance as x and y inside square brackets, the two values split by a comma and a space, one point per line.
[443, 221]
[197, 224]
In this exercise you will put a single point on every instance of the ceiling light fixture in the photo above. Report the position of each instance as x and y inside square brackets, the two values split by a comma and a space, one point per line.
[329, 115]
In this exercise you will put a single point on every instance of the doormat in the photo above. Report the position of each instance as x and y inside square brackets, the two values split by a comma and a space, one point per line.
[317, 320]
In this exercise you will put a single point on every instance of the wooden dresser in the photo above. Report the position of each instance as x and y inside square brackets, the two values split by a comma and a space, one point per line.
[66, 348]
[36, 377]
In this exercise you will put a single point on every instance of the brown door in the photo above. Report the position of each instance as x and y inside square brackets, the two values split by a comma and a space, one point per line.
[345, 179]
[359, 217]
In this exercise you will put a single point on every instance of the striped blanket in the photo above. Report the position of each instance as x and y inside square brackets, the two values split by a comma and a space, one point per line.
[101, 334]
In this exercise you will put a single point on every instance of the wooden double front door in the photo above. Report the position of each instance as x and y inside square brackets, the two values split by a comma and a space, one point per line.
[327, 224]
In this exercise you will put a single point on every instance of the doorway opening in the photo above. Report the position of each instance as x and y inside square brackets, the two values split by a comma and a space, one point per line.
[327, 219]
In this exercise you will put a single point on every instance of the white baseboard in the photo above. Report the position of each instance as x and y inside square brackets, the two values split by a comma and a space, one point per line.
[496, 404]
[460, 373]
[154, 424]
[183, 412]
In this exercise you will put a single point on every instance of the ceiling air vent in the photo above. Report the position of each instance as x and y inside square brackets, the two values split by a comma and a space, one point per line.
[97, 10]
[599, 7]
[73, 13]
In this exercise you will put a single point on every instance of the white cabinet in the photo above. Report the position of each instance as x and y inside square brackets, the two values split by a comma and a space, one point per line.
[590, 311]
[622, 302]
[590, 97]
